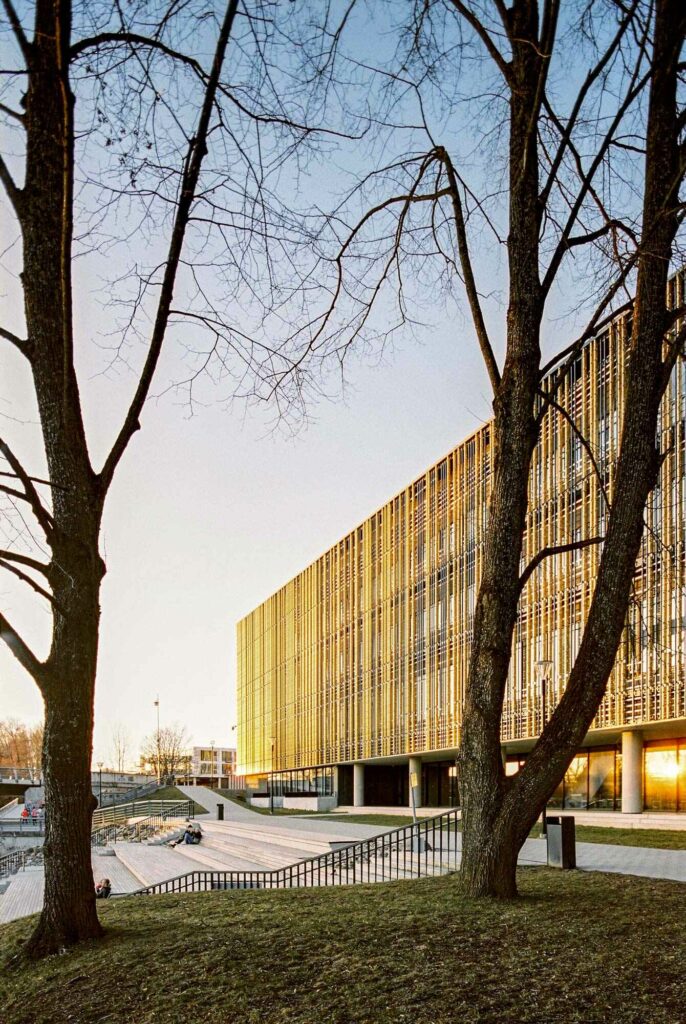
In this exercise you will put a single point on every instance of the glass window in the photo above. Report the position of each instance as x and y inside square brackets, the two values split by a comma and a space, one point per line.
[662, 770]
[601, 779]
[557, 798]
[576, 782]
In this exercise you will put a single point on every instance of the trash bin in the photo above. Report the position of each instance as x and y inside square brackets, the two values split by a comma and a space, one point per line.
[220, 812]
[561, 842]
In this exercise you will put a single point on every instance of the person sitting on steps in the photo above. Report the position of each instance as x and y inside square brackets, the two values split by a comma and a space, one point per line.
[103, 889]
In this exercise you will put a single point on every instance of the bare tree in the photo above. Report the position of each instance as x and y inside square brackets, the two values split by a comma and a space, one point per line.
[165, 752]
[21, 745]
[592, 171]
[120, 746]
[125, 130]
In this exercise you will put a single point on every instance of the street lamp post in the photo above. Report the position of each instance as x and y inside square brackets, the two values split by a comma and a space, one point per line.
[156, 704]
[544, 668]
[271, 780]
[212, 764]
[100, 764]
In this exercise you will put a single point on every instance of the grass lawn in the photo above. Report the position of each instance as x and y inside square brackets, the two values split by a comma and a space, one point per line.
[172, 793]
[576, 948]
[384, 820]
[663, 839]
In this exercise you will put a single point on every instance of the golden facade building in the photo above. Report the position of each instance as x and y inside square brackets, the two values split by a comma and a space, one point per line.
[356, 668]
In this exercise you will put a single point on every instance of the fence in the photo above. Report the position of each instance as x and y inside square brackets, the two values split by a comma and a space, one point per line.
[20, 859]
[135, 832]
[126, 795]
[122, 813]
[429, 847]
[12, 774]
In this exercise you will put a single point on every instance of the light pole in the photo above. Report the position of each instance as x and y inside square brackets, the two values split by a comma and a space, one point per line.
[544, 670]
[100, 764]
[156, 704]
[271, 778]
[212, 764]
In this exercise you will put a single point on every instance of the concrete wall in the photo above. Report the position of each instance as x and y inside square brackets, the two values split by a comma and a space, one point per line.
[310, 803]
[263, 801]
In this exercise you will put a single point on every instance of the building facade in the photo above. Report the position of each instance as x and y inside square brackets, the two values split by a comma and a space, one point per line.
[214, 766]
[355, 670]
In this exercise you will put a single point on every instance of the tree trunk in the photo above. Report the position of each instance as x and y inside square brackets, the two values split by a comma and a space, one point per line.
[67, 678]
[485, 866]
[500, 812]
[69, 910]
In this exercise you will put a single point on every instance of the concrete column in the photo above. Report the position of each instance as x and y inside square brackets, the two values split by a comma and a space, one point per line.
[415, 768]
[632, 772]
[358, 785]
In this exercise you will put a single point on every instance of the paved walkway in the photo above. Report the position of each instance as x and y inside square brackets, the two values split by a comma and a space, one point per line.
[25, 893]
[209, 798]
[338, 829]
[150, 864]
[643, 861]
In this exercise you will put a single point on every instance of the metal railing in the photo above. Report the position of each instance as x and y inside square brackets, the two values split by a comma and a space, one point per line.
[12, 774]
[429, 847]
[121, 813]
[142, 828]
[20, 859]
[127, 795]
[22, 826]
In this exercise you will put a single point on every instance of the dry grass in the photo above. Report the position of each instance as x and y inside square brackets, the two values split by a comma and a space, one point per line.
[576, 948]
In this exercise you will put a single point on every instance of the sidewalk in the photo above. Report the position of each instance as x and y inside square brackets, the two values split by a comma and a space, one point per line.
[209, 798]
[644, 861]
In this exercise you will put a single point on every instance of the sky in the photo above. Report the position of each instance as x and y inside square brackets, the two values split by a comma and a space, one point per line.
[211, 513]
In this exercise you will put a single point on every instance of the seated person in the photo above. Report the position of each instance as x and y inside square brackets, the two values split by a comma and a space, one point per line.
[197, 834]
[103, 889]
[189, 835]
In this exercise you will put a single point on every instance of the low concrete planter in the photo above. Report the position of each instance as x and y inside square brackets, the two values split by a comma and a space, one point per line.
[263, 801]
[310, 803]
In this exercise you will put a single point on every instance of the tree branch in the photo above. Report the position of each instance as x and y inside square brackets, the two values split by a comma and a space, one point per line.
[12, 113]
[15, 194]
[21, 651]
[550, 401]
[586, 179]
[32, 496]
[480, 30]
[468, 274]
[191, 173]
[19, 34]
[32, 563]
[20, 343]
[93, 42]
[557, 549]
[591, 77]
[31, 582]
[592, 236]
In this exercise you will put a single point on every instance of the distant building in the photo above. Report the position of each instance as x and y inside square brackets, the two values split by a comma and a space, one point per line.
[351, 677]
[215, 766]
[112, 786]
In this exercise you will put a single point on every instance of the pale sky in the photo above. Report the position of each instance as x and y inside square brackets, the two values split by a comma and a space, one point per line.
[209, 515]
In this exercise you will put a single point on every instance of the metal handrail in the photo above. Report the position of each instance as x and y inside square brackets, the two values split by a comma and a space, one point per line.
[143, 828]
[16, 861]
[122, 813]
[134, 793]
[427, 847]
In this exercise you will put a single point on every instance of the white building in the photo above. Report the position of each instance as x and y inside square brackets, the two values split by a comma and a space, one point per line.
[215, 766]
